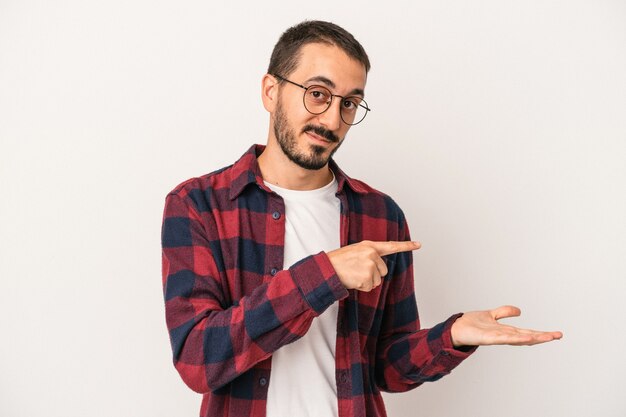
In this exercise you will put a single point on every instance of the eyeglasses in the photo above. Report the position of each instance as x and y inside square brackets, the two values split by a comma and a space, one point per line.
[317, 99]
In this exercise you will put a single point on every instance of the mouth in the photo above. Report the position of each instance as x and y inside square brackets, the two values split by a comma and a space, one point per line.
[317, 139]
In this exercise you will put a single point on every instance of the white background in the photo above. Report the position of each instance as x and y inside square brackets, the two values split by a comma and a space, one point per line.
[498, 126]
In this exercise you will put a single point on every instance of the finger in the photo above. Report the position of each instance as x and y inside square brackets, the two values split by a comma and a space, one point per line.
[526, 331]
[554, 335]
[504, 312]
[388, 248]
[367, 285]
[377, 280]
[381, 266]
[511, 330]
[528, 339]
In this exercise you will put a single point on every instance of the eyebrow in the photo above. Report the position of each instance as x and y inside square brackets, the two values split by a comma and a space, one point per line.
[331, 84]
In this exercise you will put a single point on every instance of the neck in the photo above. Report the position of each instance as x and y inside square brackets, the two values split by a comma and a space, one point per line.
[276, 168]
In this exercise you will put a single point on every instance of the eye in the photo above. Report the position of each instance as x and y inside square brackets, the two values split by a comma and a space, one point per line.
[350, 104]
[318, 95]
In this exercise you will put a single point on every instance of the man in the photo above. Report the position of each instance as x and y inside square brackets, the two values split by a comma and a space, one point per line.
[288, 284]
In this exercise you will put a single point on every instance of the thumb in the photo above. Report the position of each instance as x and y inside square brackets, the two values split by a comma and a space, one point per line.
[505, 311]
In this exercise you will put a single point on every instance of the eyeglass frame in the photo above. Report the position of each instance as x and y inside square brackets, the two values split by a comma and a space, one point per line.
[367, 109]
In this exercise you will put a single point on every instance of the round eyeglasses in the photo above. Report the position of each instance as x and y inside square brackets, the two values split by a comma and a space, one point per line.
[317, 99]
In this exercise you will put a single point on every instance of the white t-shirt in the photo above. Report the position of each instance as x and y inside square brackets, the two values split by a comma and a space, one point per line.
[302, 381]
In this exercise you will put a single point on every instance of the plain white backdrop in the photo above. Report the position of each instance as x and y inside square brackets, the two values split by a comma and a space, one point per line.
[498, 126]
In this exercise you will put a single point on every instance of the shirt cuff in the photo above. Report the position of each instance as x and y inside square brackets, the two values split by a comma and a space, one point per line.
[447, 347]
[318, 281]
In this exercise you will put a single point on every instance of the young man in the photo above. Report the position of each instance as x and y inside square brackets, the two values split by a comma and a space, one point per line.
[288, 284]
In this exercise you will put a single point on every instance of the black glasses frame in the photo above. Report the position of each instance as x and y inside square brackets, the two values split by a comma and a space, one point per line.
[363, 103]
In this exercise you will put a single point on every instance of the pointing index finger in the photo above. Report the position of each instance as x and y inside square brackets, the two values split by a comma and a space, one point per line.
[391, 247]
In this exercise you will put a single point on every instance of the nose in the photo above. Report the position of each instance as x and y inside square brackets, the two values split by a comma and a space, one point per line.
[331, 118]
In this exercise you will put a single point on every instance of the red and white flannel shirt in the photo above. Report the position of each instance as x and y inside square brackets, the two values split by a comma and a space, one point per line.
[230, 302]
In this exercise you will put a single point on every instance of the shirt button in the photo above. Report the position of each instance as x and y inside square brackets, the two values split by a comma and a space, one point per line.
[263, 381]
[274, 271]
[343, 378]
[276, 215]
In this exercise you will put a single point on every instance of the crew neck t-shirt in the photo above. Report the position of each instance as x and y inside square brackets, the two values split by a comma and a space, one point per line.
[302, 381]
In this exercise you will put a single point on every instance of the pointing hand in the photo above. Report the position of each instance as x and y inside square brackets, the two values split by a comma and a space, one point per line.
[360, 266]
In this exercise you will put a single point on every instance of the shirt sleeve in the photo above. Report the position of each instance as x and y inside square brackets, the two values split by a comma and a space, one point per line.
[407, 355]
[214, 340]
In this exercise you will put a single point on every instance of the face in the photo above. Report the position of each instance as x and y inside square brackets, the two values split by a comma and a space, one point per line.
[311, 140]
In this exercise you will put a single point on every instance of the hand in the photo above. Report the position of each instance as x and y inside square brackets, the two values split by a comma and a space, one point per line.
[478, 328]
[360, 266]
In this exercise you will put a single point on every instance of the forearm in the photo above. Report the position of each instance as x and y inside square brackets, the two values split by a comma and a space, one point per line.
[212, 345]
[421, 356]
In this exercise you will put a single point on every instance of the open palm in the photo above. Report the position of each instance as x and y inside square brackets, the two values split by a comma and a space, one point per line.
[478, 328]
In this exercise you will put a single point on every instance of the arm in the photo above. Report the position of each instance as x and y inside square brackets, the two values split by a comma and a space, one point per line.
[213, 342]
[406, 355]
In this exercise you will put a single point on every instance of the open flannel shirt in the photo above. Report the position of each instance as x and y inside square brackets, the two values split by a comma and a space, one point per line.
[230, 302]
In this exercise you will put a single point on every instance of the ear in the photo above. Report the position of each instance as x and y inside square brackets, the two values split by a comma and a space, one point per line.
[269, 92]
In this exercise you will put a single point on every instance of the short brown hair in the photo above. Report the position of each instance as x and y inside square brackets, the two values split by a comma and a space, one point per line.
[286, 53]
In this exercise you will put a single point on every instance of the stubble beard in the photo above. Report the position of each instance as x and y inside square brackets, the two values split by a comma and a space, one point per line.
[286, 138]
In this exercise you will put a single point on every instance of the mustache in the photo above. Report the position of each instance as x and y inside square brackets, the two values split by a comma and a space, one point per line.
[326, 134]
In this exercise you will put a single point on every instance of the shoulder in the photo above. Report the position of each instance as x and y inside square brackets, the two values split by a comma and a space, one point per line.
[221, 186]
[204, 190]
[215, 179]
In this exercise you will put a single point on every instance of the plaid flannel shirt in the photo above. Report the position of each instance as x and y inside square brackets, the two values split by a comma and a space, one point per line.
[230, 302]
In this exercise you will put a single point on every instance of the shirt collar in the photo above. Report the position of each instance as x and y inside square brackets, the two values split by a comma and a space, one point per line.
[246, 171]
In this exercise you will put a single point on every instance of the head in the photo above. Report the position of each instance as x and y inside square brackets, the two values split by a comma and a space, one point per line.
[312, 53]
[286, 53]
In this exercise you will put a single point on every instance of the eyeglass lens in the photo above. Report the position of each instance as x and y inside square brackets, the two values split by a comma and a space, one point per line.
[317, 100]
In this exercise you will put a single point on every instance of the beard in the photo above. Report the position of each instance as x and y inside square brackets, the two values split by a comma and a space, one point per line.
[286, 138]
